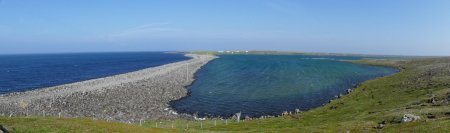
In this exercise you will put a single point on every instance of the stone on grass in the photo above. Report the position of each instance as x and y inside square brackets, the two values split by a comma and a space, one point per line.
[410, 118]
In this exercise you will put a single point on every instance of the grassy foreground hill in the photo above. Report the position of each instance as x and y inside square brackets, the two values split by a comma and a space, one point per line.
[421, 88]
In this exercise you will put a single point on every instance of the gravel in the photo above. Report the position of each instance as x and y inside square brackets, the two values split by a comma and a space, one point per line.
[128, 97]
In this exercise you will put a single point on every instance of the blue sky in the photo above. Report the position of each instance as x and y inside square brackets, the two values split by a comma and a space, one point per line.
[395, 27]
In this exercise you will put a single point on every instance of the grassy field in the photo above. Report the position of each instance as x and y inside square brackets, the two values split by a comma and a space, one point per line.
[422, 88]
[53, 124]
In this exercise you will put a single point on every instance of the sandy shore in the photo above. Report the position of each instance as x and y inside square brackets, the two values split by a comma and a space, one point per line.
[128, 97]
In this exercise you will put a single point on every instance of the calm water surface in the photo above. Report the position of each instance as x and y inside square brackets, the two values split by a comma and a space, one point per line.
[26, 72]
[270, 84]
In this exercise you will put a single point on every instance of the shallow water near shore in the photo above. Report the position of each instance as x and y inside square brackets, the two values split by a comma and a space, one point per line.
[258, 85]
[31, 71]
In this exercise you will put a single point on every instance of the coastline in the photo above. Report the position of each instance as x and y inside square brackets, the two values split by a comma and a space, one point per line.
[336, 96]
[129, 97]
[376, 105]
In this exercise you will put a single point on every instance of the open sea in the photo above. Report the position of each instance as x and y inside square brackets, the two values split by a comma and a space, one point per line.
[259, 85]
[32, 71]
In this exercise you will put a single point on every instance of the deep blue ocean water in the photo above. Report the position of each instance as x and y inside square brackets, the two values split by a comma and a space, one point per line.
[259, 85]
[31, 71]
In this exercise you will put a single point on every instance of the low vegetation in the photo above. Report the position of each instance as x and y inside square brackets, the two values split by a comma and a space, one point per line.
[421, 89]
[53, 124]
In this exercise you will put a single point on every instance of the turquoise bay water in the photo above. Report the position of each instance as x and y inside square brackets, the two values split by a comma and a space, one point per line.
[259, 85]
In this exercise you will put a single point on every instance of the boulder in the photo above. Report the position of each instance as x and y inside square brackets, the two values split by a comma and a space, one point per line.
[284, 113]
[410, 117]
[349, 91]
[248, 118]
[297, 111]
[379, 126]
[3, 129]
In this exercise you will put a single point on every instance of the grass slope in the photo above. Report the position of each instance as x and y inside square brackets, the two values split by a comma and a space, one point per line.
[53, 124]
[421, 88]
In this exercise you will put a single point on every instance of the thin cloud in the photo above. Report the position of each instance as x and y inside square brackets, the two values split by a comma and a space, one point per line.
[277, 7]
[146, 31]
[150, 25]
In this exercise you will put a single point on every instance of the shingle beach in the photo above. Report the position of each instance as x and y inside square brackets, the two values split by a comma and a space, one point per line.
[128, 97]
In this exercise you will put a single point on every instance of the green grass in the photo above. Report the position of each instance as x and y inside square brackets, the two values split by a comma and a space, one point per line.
[383, 99]
[53, 124]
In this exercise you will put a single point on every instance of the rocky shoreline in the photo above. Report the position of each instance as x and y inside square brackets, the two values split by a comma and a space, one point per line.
[130, 97]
